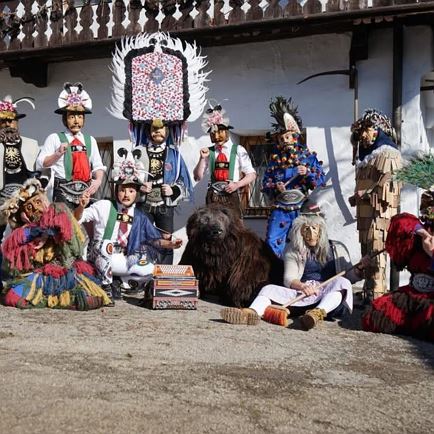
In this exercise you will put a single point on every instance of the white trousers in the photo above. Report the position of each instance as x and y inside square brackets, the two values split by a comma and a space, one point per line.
[329, 298]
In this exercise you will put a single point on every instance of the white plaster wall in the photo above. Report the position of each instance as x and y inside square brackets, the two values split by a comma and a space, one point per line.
[244, 78]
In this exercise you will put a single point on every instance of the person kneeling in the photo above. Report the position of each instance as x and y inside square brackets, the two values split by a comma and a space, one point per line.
[125, 242]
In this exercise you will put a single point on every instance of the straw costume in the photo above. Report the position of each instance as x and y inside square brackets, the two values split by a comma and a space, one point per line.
[158, 86]
[229, 164]
[293, 171]
[410, 244]
[377, 193]
[42, 256]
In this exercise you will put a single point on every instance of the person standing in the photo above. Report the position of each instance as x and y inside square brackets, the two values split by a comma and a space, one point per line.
[293, 171]
[230, 166]
[377, 193]
[72, 155]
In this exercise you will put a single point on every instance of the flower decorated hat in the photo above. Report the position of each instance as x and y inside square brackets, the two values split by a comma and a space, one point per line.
[8, 107]
[74, 98]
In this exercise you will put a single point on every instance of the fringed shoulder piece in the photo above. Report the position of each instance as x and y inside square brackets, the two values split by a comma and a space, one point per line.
[401, 238]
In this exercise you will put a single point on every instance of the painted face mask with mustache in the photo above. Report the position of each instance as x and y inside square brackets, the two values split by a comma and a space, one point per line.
[33, 208]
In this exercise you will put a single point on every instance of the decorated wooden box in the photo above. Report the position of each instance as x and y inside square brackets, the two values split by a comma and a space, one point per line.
[174, 287]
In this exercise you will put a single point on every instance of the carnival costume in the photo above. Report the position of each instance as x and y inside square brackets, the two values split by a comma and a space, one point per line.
[158, 82]
[13, 166]
[410, 309]
[378, 161]
[125, 242]
[74, 170]
[282, 167]
[43, 255]
[310, 264]
[227, 162]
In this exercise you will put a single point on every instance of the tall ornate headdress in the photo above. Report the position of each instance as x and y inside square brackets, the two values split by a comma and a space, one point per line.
[420, 173]
[215, 119]
[8, 107]
[74, 99]
[128, 169]
[285, 114]
[157, 78]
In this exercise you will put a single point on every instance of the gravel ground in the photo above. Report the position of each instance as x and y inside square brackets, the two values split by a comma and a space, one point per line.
[128, 369]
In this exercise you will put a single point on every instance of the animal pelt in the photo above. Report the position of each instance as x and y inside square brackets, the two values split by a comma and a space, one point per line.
[228, 259]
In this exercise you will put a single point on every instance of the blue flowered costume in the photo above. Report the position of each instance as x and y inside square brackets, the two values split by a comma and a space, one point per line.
[282, 168]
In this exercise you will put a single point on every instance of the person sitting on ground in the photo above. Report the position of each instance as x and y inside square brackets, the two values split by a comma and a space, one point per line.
[42, 257]
[125, 242]
[309, 260]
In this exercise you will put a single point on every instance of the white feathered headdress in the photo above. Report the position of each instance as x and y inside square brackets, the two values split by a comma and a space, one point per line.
[159, 77]
[8, 107]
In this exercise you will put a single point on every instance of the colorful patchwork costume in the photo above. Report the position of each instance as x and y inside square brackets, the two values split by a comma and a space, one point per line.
[43, 255]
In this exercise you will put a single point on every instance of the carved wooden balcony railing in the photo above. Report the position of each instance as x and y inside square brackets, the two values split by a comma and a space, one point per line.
[57, 30]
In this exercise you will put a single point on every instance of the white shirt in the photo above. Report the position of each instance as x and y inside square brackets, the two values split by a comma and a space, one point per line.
[98, 213]
[52, 142]
[243, 162]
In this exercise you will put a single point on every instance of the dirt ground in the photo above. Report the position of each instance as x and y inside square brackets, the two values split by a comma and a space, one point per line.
[128, 369]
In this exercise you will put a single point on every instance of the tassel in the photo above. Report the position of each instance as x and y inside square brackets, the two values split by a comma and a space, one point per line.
[32, 291]
[53, 301]
[65, 299]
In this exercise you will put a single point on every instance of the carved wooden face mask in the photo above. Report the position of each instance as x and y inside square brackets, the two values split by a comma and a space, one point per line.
[311, 234]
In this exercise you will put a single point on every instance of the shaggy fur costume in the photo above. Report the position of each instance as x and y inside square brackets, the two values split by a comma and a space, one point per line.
[228, 259]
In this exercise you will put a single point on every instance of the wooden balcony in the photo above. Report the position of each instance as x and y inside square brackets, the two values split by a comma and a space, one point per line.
[35, 33]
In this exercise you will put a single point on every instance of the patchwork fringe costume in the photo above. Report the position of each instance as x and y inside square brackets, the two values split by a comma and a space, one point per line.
[283, 168]
[380, 202]
[158, 82]
[410, 244]
[43, 257]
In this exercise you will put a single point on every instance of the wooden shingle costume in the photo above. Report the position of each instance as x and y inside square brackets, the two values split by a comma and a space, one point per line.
[377, 193]
[410, 243]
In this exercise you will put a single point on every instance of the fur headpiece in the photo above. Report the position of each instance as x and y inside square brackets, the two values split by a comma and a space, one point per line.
[8, 107]
[285, 113]
[156, 76]
[214, 119]
[74, 99]
[11, 207]
[420, 173]
[375, 119]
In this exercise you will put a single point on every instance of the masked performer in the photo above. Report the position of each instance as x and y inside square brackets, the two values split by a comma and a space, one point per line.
[230, 164]
[310, 258]
[125, 242]
[72, 155]
[410, 244]
[292, 172]
[42, 255]
[376, 194]
[158, 85]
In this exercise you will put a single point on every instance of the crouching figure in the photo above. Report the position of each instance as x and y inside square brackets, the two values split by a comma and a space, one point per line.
[43, 264]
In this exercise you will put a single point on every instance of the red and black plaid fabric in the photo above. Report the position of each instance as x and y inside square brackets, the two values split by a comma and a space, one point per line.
[405, 311]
